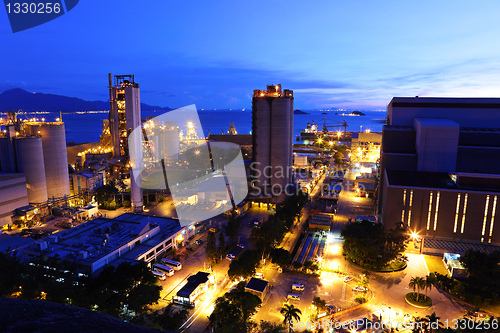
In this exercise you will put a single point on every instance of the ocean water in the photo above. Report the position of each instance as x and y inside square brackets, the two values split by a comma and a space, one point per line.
[87, 127]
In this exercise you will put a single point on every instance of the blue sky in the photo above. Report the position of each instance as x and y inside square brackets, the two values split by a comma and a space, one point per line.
[345, 54]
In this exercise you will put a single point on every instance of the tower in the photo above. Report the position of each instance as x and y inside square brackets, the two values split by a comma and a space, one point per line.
[272, 130]
[124, 117]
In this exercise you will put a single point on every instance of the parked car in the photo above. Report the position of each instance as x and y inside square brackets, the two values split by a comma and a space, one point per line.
[241, 245]
[199, 241]
[347, 279]
[190, 248]
[230, 256]
[359, 289]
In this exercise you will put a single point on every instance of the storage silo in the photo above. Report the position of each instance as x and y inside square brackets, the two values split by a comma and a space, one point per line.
[29, 153]
[272, 133]
[55, 157]
[170, 144]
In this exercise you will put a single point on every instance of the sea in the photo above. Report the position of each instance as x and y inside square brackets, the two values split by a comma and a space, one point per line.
[87, 126]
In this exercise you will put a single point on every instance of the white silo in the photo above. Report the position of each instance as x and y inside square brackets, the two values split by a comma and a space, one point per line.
[55, 158]
[29, 154]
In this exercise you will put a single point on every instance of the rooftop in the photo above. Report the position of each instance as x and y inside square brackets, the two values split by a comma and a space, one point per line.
[257, 284]
[441, 180]
[193, 282]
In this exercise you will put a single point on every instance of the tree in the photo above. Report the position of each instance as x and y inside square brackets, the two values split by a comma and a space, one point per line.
[290, 314]
[416, 283]
[231, 311]
[222, 245]
[427, 285]
[431, 321]
[281, 256]
[363, 239]
[269, 327]
[244, 267]
[211, 248]
[320, 304]
[171, 320]
[297, 265]
[232, 226]
[311, 265]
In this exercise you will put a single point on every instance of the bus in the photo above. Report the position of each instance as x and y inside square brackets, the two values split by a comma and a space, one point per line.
[162, 268]
[160, 275]
[175, 264]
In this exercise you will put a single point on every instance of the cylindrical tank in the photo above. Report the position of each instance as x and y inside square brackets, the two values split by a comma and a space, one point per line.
[169, 144]
[261, 130]
[29, 153]
[55, 157]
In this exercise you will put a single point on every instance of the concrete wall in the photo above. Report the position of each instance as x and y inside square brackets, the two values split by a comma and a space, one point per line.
[436, 144]
[13, 194]
[445, 226]
[30, 162]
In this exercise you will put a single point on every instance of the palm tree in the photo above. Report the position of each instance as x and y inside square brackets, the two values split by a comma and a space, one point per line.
[432, 318]
[290, 313]
[416, 283]
[428, 285]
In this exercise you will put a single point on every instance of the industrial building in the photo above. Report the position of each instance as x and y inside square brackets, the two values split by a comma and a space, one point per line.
[102, 241]
[196, 285]
[258, 287]
[124, 117]
[86, 180]
[13, 194]
[36, 151]
[439, 172]
[272, 133]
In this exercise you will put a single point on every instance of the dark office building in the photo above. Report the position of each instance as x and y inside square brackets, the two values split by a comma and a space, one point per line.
[440, 171]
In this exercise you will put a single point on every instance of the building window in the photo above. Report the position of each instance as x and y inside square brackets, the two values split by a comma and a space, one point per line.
[493, 216]
[463, 214]
[429, 212]
[456, 214]
[486, 206]
[437, 210]
[409, 208]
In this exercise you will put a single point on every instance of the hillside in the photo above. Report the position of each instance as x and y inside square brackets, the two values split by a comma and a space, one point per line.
[17, 98]
[20, 316]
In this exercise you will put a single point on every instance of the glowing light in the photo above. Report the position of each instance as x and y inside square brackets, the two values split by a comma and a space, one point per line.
[197, 152]
[414, 235]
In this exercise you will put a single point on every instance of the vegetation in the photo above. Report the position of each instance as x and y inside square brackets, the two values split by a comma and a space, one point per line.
[231, 311]
[319, 305]
[232, 227]
[222, 248]
[281, 257]
[125, 292]
[211, 248]
[363, 239]
[290, 314]
[244, 267]
[418, 299]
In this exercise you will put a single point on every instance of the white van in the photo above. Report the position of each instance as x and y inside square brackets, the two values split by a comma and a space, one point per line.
[293, 297]
[160, 275]
[298, 287]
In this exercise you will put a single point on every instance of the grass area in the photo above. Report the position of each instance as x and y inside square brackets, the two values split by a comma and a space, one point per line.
[435, 264]
[422, 300]
[392, 267]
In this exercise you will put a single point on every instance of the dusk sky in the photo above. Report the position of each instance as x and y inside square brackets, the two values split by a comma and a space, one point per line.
[340, 54]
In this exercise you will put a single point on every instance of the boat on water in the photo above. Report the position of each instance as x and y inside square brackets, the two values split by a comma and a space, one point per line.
[353, 113]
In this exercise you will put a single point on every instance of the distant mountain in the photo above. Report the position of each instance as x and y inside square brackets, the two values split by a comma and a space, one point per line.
[297, 111]
[17, 98]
